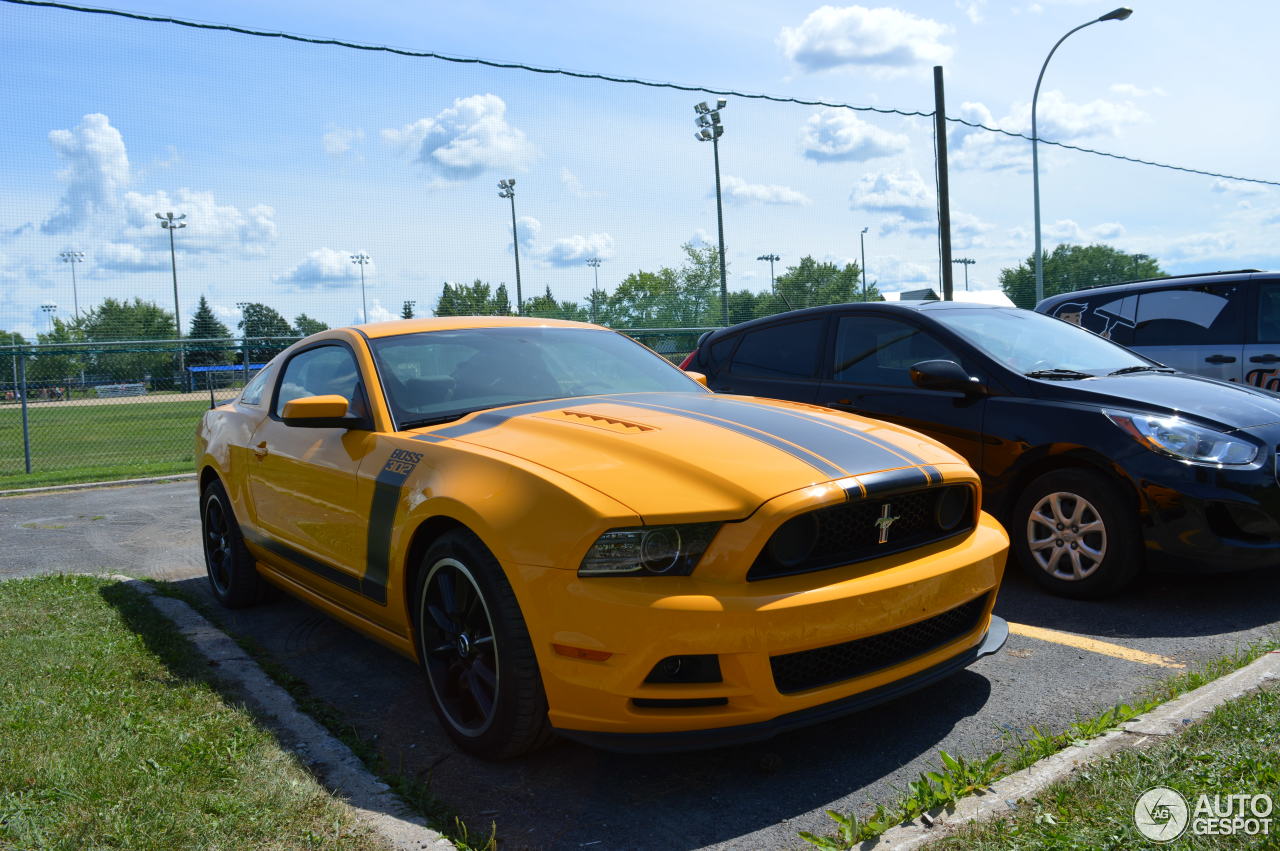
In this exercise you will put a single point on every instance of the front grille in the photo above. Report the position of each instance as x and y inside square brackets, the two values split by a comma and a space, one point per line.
[823, 666]
[847, 533]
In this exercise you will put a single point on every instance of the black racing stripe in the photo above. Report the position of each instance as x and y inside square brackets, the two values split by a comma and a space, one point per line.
[847, 449]
[814, 460]
[492, 419]
[306, 562]
[934, 474]
[906, 455]
[892, 482]
[382, 517]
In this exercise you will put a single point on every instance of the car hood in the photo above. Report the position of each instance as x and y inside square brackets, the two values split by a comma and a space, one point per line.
[673, 456]
[1233, 406]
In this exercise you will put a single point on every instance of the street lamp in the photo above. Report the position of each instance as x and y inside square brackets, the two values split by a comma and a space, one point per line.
[507, 189]
[1114, 15]
[966, 262]
[171, 223]
[72, 258]
[594, 263]
[710, 130]
[360, 260]
[862, 243]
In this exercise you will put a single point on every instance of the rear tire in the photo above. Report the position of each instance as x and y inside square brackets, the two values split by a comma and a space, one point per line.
[481, 670]
[1075, 535]
[232, 570]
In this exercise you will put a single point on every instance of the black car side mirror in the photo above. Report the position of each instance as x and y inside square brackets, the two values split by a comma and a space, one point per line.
[945, 375]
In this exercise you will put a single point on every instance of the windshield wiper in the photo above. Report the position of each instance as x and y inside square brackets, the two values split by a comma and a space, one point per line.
[443, 418]
[1141, 368]
[1065, 374]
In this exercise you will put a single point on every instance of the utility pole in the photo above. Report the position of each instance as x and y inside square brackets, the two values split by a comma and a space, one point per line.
[507, 189]
[944, 192]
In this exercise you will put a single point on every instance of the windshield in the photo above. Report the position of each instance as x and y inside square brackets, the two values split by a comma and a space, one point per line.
[1028, 342]
[436, 376]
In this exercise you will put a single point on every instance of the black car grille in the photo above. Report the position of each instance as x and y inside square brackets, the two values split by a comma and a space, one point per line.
[848, 533]
[823, 666]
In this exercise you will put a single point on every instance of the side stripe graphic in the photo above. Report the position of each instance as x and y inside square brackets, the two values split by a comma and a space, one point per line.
[306, 562]
[382, 518]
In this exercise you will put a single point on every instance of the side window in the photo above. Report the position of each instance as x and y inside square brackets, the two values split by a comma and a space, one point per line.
[252, 392]
[1269, 312]
[1190, 316]
[325, 371]
[780, 351]
[876, 350]
[718, 353]
[1112, 318]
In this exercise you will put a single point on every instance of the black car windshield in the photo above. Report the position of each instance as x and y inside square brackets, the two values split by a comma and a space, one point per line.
[437, 376]
[1028, 342]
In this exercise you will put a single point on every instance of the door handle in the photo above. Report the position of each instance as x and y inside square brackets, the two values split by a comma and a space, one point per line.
[1220, 359]
[261, 450]
[1265, 359]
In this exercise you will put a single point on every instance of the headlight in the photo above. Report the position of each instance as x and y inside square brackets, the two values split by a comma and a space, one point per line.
[1181, 439]
[648, 550]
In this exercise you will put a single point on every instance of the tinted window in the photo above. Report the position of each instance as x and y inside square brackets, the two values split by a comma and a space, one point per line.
[875, 350]
[1190, 316]
[780, 351]
[326, 371]
[1269, 312]
[717, 354]
[1107, 316]
[252, 393]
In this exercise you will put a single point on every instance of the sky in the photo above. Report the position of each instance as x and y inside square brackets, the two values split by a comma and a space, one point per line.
[288, 158]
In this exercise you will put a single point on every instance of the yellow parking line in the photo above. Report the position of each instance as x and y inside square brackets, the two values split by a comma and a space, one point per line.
[1093, 645]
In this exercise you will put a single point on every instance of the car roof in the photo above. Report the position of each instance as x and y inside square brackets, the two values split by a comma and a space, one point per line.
[396, 327]
[887, 307]
[1156, 283]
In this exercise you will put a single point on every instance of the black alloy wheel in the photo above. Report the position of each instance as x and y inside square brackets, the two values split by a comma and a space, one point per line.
[233, 574]
[461, 655]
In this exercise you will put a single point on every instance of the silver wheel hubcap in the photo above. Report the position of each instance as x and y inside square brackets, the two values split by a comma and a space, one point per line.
[1067, 537]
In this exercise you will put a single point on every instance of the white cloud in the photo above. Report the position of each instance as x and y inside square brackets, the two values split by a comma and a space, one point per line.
[836, 135]
[883, 38]
[574, 186]
[126, 257]
[899, 193]
[1237, 187]
[967, 230]
[1132, 91]
[1201, 246]
[327, 267]
[1069, 231]
[701, 238]
[465, 140]
[573, 250]
[211, 228]
[527, 229]
[892, 273]
[377, 313]
[972, 9]
[97, 169]
[737, 190]
[340, 140]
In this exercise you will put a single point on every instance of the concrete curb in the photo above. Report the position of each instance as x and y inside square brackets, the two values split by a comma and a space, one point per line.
[80, 486]
[340, 770]
[1004, 796]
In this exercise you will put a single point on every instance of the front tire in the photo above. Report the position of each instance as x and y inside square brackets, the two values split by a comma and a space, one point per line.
[1075, 535]
[232, 570]
[475, 649]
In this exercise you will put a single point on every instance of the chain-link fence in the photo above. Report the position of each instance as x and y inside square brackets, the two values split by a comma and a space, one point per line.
[82, 412]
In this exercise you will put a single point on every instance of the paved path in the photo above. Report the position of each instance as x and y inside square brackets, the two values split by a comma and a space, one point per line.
[1065, 659]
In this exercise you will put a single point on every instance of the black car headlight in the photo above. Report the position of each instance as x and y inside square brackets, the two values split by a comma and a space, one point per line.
[648, 550]
[1184, 440]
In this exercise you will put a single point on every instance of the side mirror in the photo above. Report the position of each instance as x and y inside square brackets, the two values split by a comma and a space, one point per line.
[319, 412]
[945, 375]
[697, 376]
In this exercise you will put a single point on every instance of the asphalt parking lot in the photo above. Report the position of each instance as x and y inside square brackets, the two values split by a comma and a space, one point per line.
[1066, 659]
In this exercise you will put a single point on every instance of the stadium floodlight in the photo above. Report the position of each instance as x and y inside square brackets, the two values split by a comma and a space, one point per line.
[170, 222]
[711, 131]
[360, 260]
[71, 258]
[507, 189]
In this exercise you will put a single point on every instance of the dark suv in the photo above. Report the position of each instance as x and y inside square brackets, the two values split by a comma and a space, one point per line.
[1088, 452]
[1224, 325]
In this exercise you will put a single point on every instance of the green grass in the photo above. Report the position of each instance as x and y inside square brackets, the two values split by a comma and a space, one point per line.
[92, 442]
[111, 736]
[957, 777]
[1232, 751]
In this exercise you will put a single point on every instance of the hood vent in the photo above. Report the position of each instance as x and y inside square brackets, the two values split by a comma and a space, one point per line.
[598, 421]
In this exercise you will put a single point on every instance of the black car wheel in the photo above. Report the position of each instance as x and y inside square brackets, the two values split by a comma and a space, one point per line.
[1075, 535]
[475, 649]
[233, 575]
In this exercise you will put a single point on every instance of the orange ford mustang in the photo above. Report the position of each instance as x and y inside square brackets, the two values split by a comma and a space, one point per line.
[572, 536]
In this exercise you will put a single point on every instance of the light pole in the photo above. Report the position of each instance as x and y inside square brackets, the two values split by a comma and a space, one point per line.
[72, 258]
[48, 312]
[862, 243]
[772, 258]
[966, 262]
[594, 263]
[171, 223]
[507, 189]
[1114, 15]
[710, 130]
[407, 311]
[360, 260]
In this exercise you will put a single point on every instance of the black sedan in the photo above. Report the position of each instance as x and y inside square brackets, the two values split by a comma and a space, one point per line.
[1093, 456]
